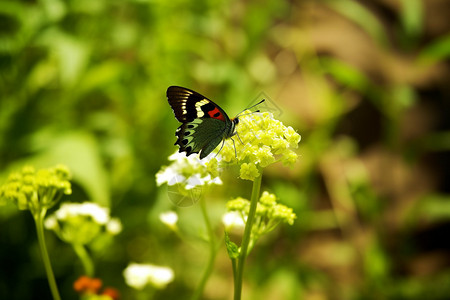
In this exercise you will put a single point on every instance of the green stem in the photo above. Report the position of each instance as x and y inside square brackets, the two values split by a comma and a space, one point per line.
[246, 238]
[85, 259]
[212, 253]
[234, 265]
[39, 221]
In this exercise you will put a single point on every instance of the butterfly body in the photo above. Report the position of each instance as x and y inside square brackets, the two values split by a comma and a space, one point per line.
[204, 124]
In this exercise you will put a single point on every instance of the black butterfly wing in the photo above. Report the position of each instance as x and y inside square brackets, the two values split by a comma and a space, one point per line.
[205, 124]
[188, 105]
[200, 136]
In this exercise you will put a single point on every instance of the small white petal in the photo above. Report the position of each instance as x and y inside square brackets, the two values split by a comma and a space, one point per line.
[233, 220]
[140, 275]
[98, 213]
[170, 218]
[136, 276]
[193, 181]
[161, 276]
[164, 176]
[178, 178]
[216, 180]
[51, 222]
[114, 226]
[177, 156]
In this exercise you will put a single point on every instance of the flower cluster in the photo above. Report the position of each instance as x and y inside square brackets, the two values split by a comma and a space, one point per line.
[37, 190]
[139, 276]
[189, 171]
[80, 223]
[90, 288]
[262, 140]
[268, 214]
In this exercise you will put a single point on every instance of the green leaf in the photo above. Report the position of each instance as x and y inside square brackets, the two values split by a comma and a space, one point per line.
[361, 16]
[412, 17]
[438, 50]
[436, 208]
[346, 74]
[232, 248]
[71, 53]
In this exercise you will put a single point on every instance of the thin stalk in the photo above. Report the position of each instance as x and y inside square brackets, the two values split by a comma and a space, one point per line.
[212, 252]
[39, 221]
[234, 266]
[246, 238]
[86, 260]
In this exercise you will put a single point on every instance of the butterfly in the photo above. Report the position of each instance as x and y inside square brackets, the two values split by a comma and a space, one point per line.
[205, 124]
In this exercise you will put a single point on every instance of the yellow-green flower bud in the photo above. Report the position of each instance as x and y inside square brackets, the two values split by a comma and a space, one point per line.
[268, 199]
[268, 213]
[248, 171]
[284, 214]
[238, 204]
[36, 190]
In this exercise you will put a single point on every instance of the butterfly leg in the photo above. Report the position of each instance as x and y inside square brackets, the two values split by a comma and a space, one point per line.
[237, 133]
[223, 142]
[234, 145]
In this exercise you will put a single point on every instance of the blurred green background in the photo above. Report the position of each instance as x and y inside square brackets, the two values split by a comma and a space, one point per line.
[366, 84]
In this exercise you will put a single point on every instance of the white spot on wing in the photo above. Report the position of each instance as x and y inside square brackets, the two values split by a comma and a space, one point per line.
[199, 105]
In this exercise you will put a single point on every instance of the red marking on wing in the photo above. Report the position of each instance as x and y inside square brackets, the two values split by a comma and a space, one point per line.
[216, 114]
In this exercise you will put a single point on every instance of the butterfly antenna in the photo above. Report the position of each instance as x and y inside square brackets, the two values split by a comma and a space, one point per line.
[251, 108]
[250, 113]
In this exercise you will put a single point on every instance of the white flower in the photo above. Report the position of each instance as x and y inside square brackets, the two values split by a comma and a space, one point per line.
[169, 218]
[177, 178]
[81, 223]
[98, 213]
[165, 175]
[178, 155]
[189, 171]
[140, 275]
[114, 226]
[194, 181]
[51, 222]
[216, 180]
[233, 220]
